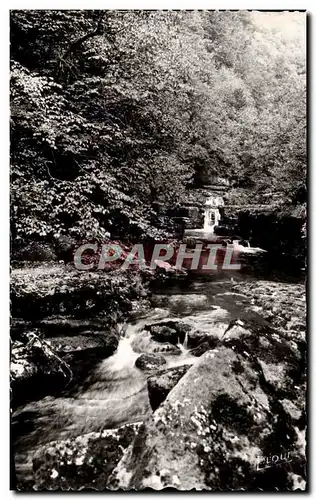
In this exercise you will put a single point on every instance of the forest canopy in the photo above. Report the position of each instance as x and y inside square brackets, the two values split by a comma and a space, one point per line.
[115, 115]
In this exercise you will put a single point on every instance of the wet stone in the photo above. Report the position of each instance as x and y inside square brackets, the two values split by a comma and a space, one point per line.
[147, 362]
[160, 384]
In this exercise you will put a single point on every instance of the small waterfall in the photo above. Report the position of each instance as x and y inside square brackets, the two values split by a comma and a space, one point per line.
[184, 347]
[185, 343]
[115, 393]
[124, 357]
[133, 341]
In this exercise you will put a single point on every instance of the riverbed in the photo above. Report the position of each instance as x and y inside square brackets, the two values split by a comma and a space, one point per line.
[115, 392]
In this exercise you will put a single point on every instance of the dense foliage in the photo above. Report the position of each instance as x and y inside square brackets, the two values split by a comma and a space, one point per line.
[115, 115]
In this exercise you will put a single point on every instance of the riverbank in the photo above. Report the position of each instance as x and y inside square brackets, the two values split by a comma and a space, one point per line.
[240, 405]
[64, 321]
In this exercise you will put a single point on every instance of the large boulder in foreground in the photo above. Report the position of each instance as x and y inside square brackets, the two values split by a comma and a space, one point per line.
[160, 384]
[217, 430]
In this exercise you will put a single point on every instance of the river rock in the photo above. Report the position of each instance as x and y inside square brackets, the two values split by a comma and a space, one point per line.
[275, 374]
[148, 362]
[258, 340]
[160, 384]
[283, 304]
[201, 349]
[236, 329]
[198, 333]
[144, 343]
[211, 431]
[169, 331]
[82, 462]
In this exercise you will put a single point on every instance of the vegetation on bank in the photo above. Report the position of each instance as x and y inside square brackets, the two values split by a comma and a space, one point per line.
[115, 115]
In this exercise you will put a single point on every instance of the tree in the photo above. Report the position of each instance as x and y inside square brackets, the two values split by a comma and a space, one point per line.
[115, 114]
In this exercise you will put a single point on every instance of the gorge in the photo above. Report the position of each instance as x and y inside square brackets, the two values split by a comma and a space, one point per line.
[155, 135]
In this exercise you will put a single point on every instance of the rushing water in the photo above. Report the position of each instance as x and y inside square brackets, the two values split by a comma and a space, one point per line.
[116, 392]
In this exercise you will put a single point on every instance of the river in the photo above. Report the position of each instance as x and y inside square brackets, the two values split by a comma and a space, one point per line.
[115, 393]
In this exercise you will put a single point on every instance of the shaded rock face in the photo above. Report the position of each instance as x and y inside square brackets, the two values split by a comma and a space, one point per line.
[82, 462]
[147, 362]
[83, 352]
[160, 384]
[45, 366]
[36, 369]
[216, 428]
